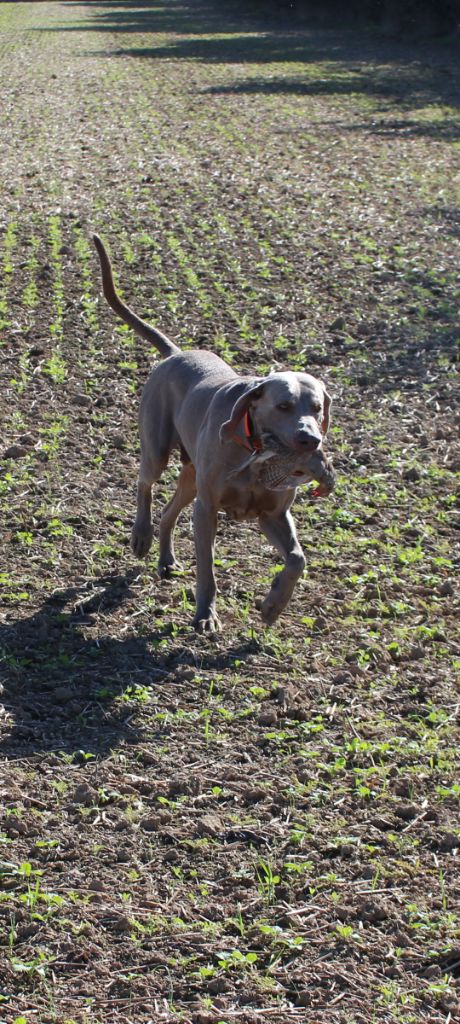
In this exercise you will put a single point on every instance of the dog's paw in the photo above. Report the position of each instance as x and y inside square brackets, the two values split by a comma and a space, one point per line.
[207, 623]
[167, 569]
[141, 540]
[270, 610]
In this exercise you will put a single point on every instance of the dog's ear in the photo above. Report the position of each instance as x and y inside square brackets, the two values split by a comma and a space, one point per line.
[326, 410]
[242, 406]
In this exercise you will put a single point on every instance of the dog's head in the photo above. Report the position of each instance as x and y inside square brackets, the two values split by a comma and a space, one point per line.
[294, 407]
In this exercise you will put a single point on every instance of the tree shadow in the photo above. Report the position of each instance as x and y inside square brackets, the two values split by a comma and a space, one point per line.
[65, 691]
[411, 86]
[410, 355]
[178, 17]
[446, 130]
[392, 71]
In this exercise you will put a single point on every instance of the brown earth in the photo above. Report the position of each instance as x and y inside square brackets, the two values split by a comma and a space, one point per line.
[262, 826]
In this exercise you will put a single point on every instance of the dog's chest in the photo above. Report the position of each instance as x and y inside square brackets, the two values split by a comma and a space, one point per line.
[240, 503]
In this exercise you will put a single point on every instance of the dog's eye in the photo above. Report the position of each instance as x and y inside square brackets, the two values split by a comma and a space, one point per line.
[284, 406]
[316, 406]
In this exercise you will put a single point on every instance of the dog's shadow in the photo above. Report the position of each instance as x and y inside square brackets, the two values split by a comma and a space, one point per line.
[64, 690]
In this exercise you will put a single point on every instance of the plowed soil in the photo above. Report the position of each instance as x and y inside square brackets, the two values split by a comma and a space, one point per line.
[261, 826]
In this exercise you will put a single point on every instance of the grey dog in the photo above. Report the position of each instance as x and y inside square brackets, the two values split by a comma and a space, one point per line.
[195, 403]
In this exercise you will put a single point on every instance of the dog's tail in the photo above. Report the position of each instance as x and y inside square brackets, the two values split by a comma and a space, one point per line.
[163, 344]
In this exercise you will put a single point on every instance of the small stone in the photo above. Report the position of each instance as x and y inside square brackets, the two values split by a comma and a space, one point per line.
[448, 1005]
[171, 857]
[82, 400]
[269, 717]
[62, 694]
[345, 913]
[392, 971]
[178, 786]
[26, 932]
[254, 796]
[411, 475]
[150, 823]
[14, 827]
[416, 653]
[403, 788]
[373, 912]
[118, 441]
[123, 855]
[209, 825]
[218, 985]
[449, 841]
[282, 694]
[431, 814]
[383, 824]
[304, 998]
[433, 971]
[446, 589]
[347, 850]
[342, 679]
[85, 795]
[297, 714]
[148, 758]
[338, 324]
[122, 924]
[15, 451]
[123, 825]
[191, 786]
[188, 674]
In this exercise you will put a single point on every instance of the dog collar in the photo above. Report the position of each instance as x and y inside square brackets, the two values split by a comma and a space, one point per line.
[251, 442]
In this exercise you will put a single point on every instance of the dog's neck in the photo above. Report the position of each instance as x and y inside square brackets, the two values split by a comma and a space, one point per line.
[251, 441]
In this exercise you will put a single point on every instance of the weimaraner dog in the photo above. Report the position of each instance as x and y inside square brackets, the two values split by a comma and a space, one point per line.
[195, 403]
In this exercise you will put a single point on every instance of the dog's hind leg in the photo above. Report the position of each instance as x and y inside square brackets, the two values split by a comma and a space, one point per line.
[150, 470]
[158, 439]
[184, 495]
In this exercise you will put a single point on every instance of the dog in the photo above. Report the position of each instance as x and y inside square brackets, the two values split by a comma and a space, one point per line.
[223, 426]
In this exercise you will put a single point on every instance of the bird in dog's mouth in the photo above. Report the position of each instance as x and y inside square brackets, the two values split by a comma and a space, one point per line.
[281, 469]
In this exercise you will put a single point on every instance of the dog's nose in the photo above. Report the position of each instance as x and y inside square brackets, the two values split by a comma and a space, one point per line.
[308, 441]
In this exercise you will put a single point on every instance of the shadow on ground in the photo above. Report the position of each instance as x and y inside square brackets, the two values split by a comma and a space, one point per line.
[392, 72]
[64, 691]
[179, 17]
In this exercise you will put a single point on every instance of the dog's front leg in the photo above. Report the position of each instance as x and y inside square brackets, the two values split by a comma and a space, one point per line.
[280, 531]
[205, 526]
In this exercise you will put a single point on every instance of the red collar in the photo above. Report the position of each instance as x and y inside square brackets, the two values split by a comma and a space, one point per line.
[251, 442]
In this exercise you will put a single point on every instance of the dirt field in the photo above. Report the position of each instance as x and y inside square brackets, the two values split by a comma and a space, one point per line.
[261, 827]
